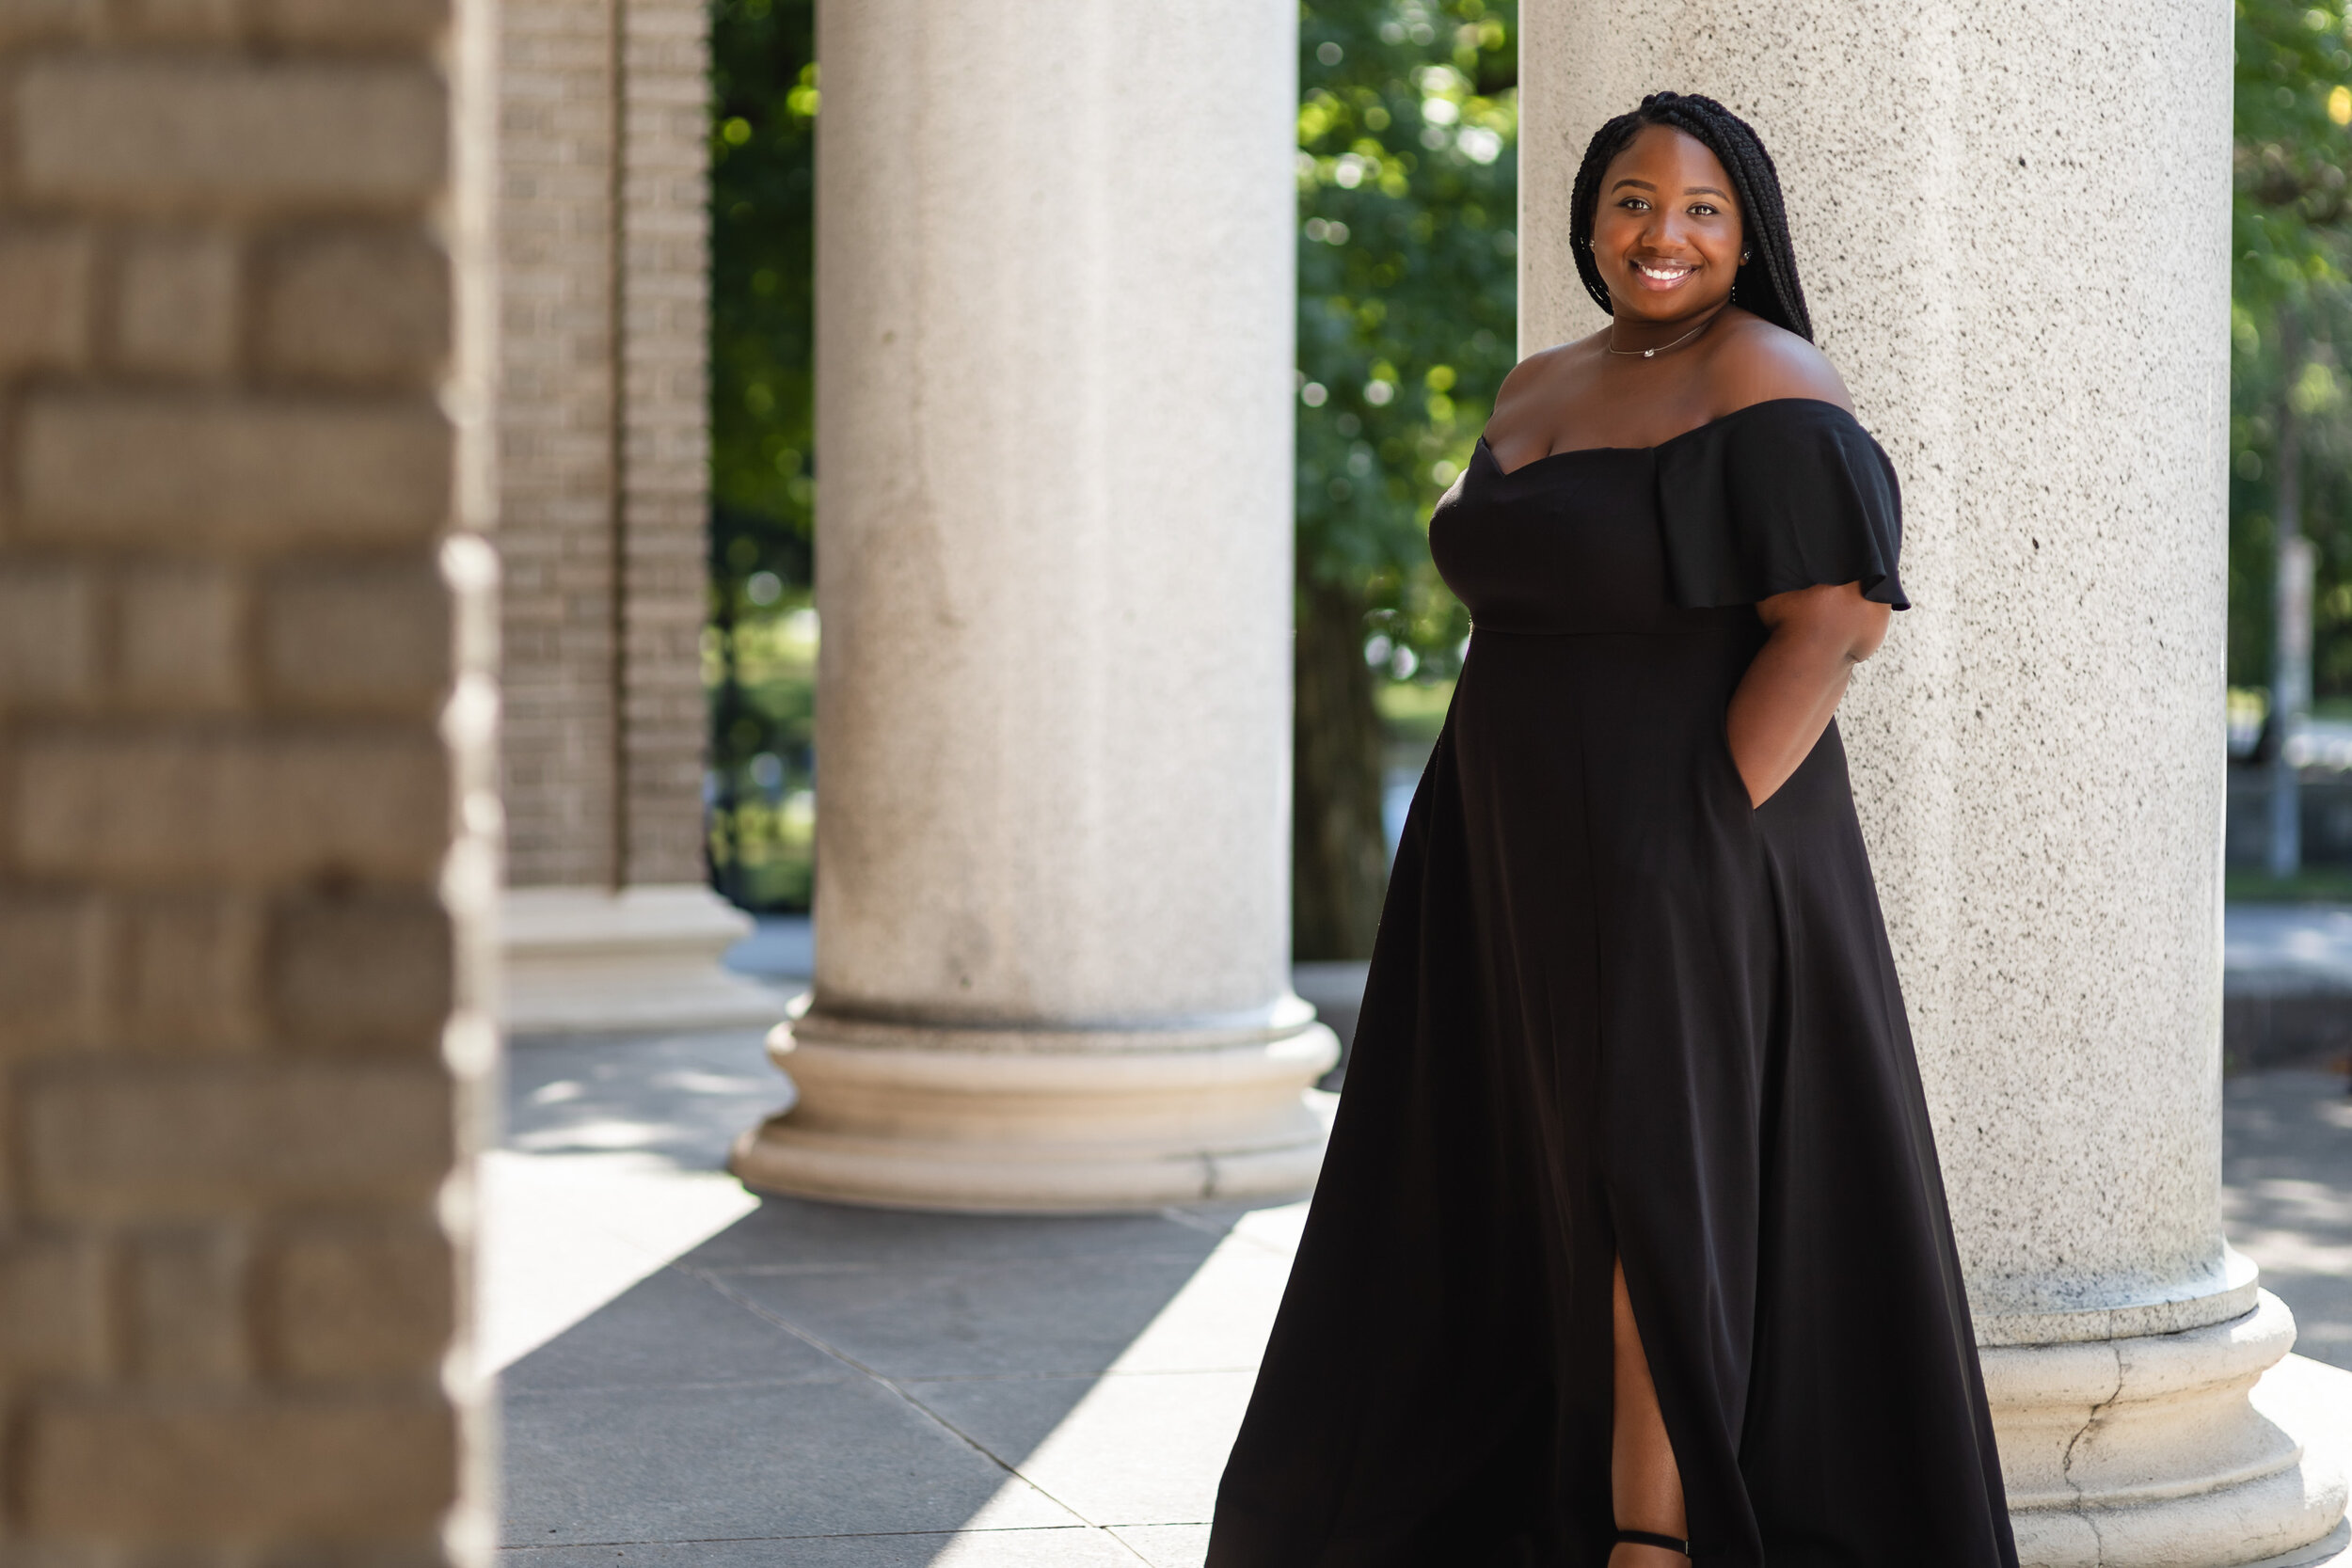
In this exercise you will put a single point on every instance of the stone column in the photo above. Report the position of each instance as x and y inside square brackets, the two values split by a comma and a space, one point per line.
[603, 485]
[1055, 298]
[2028, 290]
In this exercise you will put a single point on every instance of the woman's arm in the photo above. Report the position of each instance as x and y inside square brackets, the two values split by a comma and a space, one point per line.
[1786, 699]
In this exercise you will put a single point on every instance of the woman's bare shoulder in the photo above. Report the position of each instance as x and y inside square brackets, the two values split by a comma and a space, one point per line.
[1542, 373]
[1756, 362]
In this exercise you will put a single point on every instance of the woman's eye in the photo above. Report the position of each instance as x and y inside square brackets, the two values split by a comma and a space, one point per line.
[1701, 210]
[1634, 204]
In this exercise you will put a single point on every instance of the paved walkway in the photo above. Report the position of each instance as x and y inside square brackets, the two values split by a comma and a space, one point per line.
[2286, 1198]
[2310, 944]
[695, 1378]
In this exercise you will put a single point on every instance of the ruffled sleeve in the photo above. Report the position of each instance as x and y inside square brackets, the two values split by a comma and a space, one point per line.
[1779, 495]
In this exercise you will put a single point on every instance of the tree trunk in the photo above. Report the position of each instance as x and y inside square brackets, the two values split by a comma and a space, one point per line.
[1339, 854]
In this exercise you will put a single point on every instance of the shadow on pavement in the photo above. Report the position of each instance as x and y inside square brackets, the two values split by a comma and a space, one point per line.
[850, 1386]
[2286, 1198]
[829, 1385]
[825, 1384]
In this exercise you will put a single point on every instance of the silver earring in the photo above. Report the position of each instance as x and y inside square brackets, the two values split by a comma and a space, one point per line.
[1744, 257]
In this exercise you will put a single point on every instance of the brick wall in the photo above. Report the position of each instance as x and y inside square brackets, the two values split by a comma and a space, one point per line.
[588, 804]
[246, 800]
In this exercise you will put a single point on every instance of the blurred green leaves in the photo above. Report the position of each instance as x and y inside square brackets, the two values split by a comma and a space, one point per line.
[763, 233]
[759, 646]
[2288, 151]
[2291, 227]
[1408, 183]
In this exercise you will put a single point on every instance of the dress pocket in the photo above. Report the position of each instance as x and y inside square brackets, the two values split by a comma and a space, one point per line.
[1738, 785]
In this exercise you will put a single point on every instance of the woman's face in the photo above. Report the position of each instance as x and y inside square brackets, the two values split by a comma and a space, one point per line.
[1666, 230]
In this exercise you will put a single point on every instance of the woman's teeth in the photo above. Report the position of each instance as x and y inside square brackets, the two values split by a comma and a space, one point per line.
[1664, 275]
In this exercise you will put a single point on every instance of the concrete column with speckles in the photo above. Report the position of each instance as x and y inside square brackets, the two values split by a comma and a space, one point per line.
[1054, 277]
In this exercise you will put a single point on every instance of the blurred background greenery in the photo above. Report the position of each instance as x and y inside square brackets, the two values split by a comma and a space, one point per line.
[1406, 170]
[2290, 311]
[759, 648]
[2291, 435]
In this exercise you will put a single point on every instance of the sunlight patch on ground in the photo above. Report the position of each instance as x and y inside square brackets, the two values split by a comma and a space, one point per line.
[1148, 1441]
[562, 1234]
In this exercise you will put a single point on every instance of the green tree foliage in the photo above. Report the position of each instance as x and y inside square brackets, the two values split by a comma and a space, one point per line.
[762, 257]
[756, 651]
[1407, 133]
[2291, 309]
[1408, 303]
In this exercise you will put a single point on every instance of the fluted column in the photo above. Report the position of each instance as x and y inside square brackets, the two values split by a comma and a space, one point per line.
[2027, 286]
[1054, 306]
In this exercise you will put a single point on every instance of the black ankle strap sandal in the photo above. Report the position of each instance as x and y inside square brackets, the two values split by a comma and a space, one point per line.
[1651, 1538]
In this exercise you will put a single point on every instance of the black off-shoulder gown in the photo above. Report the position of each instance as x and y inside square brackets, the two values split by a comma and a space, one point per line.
[1613, 1010]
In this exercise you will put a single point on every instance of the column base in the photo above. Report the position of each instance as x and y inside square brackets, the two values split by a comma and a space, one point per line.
[2201, 1448]
[1043, 1121]
[589, 961]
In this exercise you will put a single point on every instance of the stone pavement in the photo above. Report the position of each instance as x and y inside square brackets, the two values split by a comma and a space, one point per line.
[2287, 986]
[2286, 1198]
[696, 1378]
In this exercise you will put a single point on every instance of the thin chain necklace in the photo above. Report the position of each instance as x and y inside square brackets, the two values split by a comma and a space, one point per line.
[1662, 348]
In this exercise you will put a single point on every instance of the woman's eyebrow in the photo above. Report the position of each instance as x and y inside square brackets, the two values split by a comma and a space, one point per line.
[1629, 179]
[1699, 190]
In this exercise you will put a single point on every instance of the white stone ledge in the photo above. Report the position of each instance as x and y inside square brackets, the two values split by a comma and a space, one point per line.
[589, 961]
[1040, 1124]
[2230, 1296]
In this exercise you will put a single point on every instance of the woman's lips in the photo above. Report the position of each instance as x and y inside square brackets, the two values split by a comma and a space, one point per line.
[1663, 274]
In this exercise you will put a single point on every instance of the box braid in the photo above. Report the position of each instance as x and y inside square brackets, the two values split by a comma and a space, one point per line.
[1776, 295]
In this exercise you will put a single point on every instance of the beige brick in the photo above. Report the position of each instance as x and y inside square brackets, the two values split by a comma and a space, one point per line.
[372, 972]
[238, 809]
[190, 1468]
[52, 963]
[30, 20]
[53, 1310]
[561, 786]
[48, 633]
[352, 22]
[147, 1140]
[357, 306]
[188, 1306]
[180, 636]
[172, 21]
[360, 1305]
[194, 471]
[223, 134]
[45, 299]
[192, 965]
[226, 780]
[353, 636]
[176, 304]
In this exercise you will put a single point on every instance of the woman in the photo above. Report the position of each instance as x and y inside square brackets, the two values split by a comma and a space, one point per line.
[1631, 1249]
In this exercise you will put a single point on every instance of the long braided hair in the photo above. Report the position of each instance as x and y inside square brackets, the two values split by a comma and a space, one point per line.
[1766, 284]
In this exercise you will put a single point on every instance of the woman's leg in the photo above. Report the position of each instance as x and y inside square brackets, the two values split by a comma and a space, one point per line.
[1644, 1485]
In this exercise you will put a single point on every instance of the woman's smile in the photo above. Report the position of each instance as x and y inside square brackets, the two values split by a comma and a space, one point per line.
[1663, 274]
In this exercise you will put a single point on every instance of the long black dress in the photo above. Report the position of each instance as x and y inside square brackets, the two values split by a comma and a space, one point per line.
[1612, 1009]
